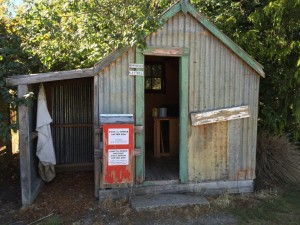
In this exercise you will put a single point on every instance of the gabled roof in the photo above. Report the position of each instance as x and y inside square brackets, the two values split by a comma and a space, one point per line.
[113, 56]
[188, 8]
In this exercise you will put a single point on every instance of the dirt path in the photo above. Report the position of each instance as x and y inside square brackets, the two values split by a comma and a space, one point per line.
[69, 200]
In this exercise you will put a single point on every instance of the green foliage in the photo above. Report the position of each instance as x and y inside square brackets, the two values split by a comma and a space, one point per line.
[70, 34]
[13, 61]
[77, 33]
[269, 30]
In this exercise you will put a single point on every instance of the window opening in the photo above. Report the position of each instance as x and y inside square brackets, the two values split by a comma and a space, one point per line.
[155, 77]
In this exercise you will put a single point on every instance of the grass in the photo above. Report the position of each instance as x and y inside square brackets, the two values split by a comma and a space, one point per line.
[282, 208]
[277, 161]
[54, 220]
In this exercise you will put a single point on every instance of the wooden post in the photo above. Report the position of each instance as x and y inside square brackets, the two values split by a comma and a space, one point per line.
[97, 162]
[139, 120]
[30, 186]
[24, 147]
[183, 122]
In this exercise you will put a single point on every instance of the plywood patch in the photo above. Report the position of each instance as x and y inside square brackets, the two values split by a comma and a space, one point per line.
[208, 156]
[220, 115]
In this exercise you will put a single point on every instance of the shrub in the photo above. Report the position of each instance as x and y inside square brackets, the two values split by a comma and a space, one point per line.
[277, 161]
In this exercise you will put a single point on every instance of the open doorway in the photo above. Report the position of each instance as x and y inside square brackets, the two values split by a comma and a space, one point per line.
[161, 118]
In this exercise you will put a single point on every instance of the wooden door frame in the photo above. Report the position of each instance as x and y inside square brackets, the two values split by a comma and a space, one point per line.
[183, 54]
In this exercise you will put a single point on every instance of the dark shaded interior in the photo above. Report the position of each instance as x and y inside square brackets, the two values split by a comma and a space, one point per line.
[163, 165]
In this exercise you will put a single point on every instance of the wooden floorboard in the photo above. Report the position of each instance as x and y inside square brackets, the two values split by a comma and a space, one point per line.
[163, 168]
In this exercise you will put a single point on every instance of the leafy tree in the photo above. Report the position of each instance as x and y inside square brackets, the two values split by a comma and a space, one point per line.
[72, 34]
[269, 30]
[13, 61]
[69, 34]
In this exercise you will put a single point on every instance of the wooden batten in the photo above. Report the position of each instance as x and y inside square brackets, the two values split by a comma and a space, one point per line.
[220, 115]
[51, 76]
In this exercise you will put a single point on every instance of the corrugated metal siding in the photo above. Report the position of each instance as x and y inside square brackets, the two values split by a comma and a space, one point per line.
[116, 87]
[218, 79]
[72, 111]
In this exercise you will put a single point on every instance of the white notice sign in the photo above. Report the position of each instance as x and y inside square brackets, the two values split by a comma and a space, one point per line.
[136, 73]
[118, 157]
[135, 65]
[118, 136]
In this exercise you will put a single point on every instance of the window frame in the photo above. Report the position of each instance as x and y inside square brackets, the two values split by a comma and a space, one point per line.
[162, 77]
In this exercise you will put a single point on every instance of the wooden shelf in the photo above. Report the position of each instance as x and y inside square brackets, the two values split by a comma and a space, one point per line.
[172, 136]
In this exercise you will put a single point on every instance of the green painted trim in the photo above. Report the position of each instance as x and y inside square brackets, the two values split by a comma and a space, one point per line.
[107, 60]
[226, 40]
[183, 6]
[183, 53]
[139, 120]
[184, 120]
[169, 13]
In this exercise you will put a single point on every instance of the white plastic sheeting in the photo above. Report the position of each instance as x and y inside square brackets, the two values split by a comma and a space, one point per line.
[45, 150]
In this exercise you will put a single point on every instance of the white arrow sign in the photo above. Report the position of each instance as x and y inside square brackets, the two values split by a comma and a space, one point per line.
[136, 66]
[136, 73]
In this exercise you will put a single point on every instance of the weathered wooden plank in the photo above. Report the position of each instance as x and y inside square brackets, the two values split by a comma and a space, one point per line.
[97, 130]
[24, 141]
[184, 120]
[97, 162]
[139, 129]
[138, 151]
[24, 146]
[165, 51]
[139, 120]
[98, 152]
[205, 188]
[116, 118]
[51, 76]
[208, 150]
[220, 115]
[183, 6]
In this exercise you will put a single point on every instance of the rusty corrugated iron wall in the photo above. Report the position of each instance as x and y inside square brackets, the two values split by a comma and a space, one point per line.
[116, 87]
[217, 79]
[71, 108]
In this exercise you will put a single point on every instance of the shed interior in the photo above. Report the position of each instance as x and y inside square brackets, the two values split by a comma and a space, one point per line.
[70, 104]
[161, 126]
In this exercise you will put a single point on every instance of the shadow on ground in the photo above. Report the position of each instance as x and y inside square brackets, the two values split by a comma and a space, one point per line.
[69, 199]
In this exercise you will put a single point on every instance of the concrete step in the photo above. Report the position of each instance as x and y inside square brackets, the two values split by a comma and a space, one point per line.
[148, 202]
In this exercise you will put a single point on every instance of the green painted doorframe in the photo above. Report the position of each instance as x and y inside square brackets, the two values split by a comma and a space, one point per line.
[182, 53]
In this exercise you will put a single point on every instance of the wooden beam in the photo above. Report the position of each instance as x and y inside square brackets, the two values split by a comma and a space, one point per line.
[30, 186]
[139, 129]
[184, 119]
[226, 40]
[139, 120]
[204, 188]
[138, 151]
[220, 115]
[51, 76]
[96, 135]
[169, 13]
[165, 51]
[24, 143]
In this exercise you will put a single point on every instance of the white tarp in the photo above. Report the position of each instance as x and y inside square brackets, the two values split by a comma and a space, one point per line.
[45, 150]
